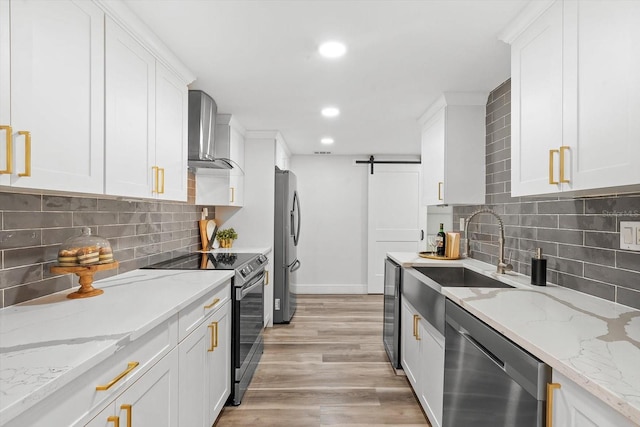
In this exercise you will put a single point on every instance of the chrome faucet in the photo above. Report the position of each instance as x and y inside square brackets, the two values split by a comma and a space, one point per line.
[503, 266]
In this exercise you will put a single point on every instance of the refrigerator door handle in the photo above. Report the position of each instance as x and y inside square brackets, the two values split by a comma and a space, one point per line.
[294, 266]
[295, 222]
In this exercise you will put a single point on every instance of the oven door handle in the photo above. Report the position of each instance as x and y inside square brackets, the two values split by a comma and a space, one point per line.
[259, 281]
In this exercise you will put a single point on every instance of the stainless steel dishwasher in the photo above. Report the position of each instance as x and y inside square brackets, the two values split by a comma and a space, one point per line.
[489, 381]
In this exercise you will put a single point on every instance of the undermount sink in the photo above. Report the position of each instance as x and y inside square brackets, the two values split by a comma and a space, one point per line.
[460, 277]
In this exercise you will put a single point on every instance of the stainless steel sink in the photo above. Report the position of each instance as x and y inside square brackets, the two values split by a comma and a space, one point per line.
[460, 277]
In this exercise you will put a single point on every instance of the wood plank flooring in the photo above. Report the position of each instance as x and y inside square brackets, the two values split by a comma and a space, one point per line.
[327, 368]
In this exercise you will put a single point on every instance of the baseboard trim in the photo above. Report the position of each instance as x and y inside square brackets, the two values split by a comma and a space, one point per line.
[329, 289]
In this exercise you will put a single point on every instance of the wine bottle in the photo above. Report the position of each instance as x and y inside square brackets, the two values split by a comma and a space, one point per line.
[441, 240]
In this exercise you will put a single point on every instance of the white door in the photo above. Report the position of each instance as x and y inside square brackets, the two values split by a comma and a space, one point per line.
[395, 216]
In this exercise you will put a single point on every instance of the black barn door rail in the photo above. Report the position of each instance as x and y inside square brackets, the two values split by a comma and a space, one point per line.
[373, 161]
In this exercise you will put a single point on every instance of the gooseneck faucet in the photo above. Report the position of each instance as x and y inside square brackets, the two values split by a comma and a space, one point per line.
[503, 267]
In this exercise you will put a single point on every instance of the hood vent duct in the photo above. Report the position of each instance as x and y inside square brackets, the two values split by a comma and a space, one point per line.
[204, 150]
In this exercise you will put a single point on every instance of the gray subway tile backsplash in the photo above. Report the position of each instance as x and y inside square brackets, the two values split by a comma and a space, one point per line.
[579, 236]
[33, 226]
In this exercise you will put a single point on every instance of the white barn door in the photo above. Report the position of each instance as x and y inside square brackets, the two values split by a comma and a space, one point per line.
[396, 219]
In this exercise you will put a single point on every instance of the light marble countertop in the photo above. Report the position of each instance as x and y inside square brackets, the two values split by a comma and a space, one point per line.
[48, 342]
[594, 342]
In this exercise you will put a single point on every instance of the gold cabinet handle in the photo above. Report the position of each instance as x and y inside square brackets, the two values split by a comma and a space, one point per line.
[233, 194]
[115, 420]
[416, 319]
[156, 172]
[550, 388]
[440, 184]
[8, 149]
[562, 151]
[266, 279]
[129, 410]
[215, 301]
[161, 188]
[27, 152]
[551, 153]
[214, 335]
[130, 367]
[215, 345]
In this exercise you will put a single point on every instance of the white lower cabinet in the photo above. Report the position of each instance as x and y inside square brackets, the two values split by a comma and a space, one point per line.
[422, 349]
[205, 363]
[573, 406]
[150, 401]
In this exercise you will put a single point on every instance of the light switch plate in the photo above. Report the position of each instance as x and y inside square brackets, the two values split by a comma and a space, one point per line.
[630, 235]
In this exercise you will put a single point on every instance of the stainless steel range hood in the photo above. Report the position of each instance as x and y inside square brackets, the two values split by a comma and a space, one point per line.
[204, 152]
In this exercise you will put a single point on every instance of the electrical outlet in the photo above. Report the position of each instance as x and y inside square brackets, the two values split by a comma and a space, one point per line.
[276, 304]
[461, 224]
[630, 235]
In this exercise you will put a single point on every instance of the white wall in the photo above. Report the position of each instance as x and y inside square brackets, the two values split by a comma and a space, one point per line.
[333, 235]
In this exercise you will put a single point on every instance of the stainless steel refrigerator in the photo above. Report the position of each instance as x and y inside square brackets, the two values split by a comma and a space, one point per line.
[287, 235]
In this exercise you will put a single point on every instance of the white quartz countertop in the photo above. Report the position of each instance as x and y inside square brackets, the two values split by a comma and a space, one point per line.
[48, 342]
[594, 342]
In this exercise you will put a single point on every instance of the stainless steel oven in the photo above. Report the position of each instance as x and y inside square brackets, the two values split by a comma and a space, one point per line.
[247, 309]
[247, 326]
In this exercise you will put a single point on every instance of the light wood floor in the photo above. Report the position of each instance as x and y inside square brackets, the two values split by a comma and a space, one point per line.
[327, 368]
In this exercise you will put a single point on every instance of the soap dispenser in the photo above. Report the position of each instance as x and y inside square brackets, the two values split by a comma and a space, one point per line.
[538, 269]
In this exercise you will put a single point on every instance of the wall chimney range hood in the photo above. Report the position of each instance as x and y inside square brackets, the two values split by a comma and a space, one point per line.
[204, 151]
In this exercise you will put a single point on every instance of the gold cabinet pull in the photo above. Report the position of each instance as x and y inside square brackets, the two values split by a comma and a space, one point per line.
[8, 150]
[215, 325]
[161, 188]
[215, 301]
[551, 180]
[440, 184]
[27, 152]
[562, 150]
[130, 367]
[129, 410]
[115, 420]
[156, 171]
[416, 319]
[550, 388]
[214, 335]
[233, 194]
[266, 279]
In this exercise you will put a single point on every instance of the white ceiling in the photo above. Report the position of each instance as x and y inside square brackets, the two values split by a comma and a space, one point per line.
[258, 59]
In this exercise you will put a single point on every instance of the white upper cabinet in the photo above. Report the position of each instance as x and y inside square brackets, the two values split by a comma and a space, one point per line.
[146, 119]
[224, 187]
[575, 91]
[602, 92]
[51, 95]
[172, 103]
[130, 116]
[453, 149]
[536, 105]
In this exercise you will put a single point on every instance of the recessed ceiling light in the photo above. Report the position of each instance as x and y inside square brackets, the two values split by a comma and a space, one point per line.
[330, 112]
[332, 49]
[327, 140]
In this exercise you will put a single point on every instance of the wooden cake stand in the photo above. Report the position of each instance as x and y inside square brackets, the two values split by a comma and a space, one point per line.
[85, 273]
